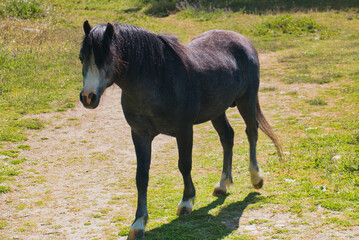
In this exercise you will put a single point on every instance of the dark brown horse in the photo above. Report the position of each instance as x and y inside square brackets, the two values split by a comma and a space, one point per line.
[167, 87]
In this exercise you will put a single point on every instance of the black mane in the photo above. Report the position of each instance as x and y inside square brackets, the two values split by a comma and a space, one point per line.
[138, 51]
[143, 51]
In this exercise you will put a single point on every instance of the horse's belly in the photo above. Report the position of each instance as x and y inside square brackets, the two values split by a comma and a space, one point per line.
[215, 103]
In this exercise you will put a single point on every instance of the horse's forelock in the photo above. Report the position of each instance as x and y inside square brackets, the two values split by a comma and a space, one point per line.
[96, 43]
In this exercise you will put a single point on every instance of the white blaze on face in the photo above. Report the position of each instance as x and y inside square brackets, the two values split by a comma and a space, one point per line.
[92, 78]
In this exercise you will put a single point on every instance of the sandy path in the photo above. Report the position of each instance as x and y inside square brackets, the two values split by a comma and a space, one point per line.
[71, 175]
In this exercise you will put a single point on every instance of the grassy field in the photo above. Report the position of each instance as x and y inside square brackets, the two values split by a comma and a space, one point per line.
[309, 92]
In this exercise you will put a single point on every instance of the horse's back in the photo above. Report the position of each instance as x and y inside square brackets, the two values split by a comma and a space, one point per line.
[223, 42]
[221, 61]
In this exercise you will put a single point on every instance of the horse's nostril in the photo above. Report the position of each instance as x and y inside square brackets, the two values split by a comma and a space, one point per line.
[81, 97]
[93, 97]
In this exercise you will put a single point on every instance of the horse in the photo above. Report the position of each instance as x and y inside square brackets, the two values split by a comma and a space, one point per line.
[167, 87]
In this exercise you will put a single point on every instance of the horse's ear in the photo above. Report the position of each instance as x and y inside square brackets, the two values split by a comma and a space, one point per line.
[110, 31]
[87, 27]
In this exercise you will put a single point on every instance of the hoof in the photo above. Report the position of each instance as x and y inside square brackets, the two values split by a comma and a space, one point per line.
[183, 211]
[136, 234]
[137, 229]
[219, 192]
[185, 207]
[224, 184]
[258, 185]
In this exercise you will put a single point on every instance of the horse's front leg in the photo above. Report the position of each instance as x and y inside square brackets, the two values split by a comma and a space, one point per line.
[142, 144]
[185, 142]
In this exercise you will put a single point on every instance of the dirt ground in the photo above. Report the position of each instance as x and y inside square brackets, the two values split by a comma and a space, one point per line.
[71, 173]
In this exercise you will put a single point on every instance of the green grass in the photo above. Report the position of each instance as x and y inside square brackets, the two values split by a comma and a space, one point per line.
[310, 95]
[23, 9]
[165, 7]
[317, 102]
[287, 24]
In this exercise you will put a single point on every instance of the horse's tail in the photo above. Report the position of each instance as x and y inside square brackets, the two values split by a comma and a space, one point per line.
[267, 129]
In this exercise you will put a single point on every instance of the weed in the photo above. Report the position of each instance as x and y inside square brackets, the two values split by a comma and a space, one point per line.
[11, 134]
[317, 102]
[268, 89]
[333, 205]
[3, 224]
[199, 12]
[258, 221]
[22, 9]
[287, 24]
[18, 161]
[339, 222]
[161, 8]
[304, 78]
[4, 189]
[32, 124]
[10, 153]
[24, 147]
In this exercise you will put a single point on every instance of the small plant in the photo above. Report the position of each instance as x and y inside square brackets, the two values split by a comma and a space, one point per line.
[317, 102]
[24, 9]
[3, 224]
[258, 221]
[10, 153]
[32, 124]
[4, 189]
[161, 8]
[268, 89]
[24, 147]
[18, 161]
[286, 24]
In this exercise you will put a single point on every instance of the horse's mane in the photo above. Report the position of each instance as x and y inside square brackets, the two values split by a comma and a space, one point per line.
[145, 50]
[138, 52]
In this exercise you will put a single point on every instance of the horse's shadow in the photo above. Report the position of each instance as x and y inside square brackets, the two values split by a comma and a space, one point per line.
[202, 225]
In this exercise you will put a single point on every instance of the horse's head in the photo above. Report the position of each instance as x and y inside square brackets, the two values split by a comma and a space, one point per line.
[98, 63]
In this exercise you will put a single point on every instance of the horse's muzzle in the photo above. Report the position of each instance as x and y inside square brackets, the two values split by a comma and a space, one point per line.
[89, 99]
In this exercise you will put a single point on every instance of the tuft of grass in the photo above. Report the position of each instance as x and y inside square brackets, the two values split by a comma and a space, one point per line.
[331, 204]
[11, 134]
[32, 124]
[161, 8]
[10, 153]
[3, 224]
[287, 24]
[4, 189]
[339, 222]
[24, 147]
[258, 221]
[317, 102]
[268, 89]
[18, 161]
[199, 12]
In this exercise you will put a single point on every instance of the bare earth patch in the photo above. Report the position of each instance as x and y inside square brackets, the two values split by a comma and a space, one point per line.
[69, 187]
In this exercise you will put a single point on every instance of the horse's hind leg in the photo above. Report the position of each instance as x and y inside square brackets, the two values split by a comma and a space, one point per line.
[185, 142]
[247, 109]
[226, 136]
